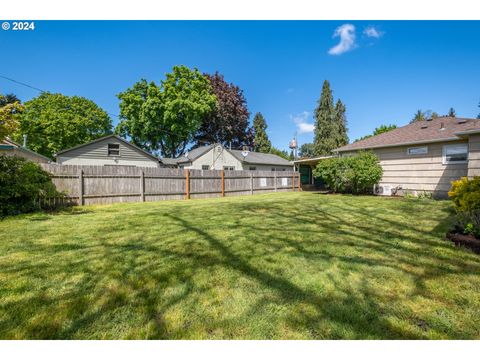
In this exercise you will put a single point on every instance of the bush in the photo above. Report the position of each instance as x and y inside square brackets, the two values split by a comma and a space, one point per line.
[22, 184]
[465, 195]
[354, 174]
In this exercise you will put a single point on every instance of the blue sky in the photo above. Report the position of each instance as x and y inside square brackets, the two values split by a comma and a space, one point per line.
[382, 70]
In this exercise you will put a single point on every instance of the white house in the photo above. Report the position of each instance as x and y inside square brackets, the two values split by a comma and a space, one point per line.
[107, 150]
[218, 157]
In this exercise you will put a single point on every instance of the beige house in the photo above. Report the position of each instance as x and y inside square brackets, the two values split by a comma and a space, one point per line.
[9, 147]
[218, 157]
[425, 156]
[107, 151]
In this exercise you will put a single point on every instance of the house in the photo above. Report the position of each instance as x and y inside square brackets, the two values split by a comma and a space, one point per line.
[108, 150]
[425, 156]
[9, 147]
[218, 157]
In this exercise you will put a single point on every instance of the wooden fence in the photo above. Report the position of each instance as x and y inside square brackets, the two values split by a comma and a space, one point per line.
[85, 185]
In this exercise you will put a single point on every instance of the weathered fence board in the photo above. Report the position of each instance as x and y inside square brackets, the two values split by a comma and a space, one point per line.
[85, 185]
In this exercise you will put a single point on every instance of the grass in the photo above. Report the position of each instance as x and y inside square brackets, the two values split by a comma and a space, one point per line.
[275, 266]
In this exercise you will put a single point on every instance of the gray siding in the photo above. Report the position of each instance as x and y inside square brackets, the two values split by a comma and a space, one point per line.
[474, 156]
[97, 154]
[420, 173]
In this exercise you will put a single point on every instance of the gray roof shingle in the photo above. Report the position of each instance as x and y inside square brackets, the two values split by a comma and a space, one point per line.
[260, 158]
[439, 129]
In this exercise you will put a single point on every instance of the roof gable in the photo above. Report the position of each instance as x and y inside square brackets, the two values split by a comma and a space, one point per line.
[146, 153]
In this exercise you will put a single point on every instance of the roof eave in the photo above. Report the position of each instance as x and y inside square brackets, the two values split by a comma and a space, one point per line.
[398, 144]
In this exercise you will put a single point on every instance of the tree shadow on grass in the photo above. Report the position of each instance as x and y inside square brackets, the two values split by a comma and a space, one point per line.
[338, 310]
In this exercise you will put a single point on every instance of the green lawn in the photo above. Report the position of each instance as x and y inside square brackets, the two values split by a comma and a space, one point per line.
[275, 266]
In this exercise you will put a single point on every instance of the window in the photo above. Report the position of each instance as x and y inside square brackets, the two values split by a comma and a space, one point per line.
[273, 169]
[205, 167]
[252, 168]
[229, 168]
[417, 150]
[455, 154]
[113, 149]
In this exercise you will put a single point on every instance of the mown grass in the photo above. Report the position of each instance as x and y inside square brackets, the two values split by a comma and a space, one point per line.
[276, 266]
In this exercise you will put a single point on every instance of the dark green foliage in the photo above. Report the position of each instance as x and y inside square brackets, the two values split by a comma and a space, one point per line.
[307, 150]
[379, 130]
[22, 184]
[261, 141]
[419, 116]
[341, 122]
[465, 195]
[324, 139]
[330, 123]
[227, 123]
[451, 112]
[55, 122]
[353, 174]
[9, 99]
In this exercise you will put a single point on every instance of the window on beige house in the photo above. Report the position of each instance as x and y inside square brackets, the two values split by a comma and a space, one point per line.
[455, 154]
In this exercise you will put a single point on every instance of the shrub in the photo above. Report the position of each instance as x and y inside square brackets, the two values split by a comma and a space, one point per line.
[354, 174]
[22, 184]
[465, 195]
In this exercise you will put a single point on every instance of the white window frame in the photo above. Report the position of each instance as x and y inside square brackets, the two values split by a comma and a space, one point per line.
[252, 168]
[444, 154]
[231, 168]
[423, 151]
[205, 167]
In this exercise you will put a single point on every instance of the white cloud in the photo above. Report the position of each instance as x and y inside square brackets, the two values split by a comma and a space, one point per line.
[372, 32]
[303, 127]
[346, 32]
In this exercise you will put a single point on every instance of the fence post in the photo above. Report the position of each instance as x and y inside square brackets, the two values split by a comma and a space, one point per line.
[223, 183]
[293, 182]
[187, 184]
[251, 183]
[80, 187]
[275, 180]
[299, 183]
[142, 186]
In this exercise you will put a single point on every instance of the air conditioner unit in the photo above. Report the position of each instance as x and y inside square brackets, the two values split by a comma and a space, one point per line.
[384, 190]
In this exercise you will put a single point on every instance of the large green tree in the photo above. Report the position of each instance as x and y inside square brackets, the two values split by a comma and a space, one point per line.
[228, 123]
[10, 110]
[54, 122]
[261, 141]
[341, 122]
[326, 129]
[165, 118]
[307, 150]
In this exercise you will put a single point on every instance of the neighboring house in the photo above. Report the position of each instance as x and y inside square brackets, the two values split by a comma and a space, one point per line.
[108, 151]
[218, 157]
[9, 147]
[425, 156]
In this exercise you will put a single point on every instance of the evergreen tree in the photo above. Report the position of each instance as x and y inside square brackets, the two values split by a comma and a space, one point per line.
[340, 118]
[418, 116]
[325, 125]
[261, 141]
[451, 112]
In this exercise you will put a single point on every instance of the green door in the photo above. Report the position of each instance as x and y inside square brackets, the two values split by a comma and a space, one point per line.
[305, 174]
